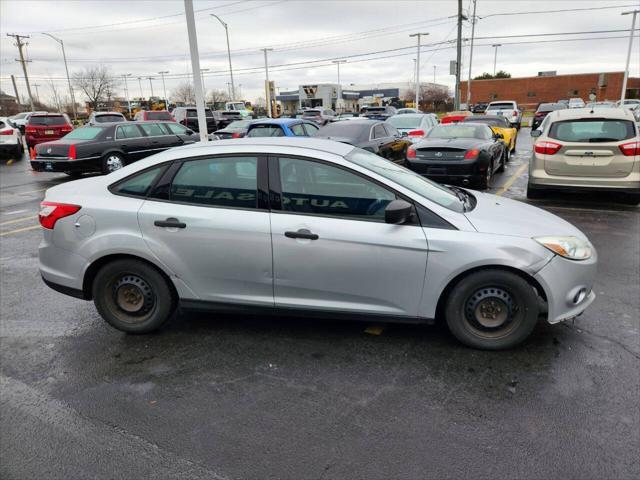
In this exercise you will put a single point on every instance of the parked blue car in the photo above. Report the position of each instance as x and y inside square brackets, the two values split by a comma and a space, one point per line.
[281, 127]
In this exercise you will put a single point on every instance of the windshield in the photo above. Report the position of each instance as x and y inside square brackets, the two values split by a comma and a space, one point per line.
[456, 131]
[108, 118]
[592, 130]
[84, 133]
[405, 120]
[502, 106]
[406, 178]
[19, 116]
[159, 116]
[494, 122]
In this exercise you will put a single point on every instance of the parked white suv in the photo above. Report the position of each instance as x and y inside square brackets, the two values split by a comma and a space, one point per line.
[10, 138]
[507, 109]
[576, 103]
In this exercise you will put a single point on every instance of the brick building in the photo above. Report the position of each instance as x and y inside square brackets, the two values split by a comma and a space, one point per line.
[530, 91]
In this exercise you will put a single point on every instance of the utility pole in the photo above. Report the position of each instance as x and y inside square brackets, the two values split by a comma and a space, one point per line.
[204, 89]
[66, 67]
[473, 31]
[414, 71]
[226, 31]
[126, 92]
[15, 90]
[623, 94]
[418, 68]
[338, 62]
[151, 85]
[195, 69]
[434, 74]
[164, 90]
[456, 103]
[495, 57]
[35, 85]
[267, 89]
[19, 43]
[140, 85]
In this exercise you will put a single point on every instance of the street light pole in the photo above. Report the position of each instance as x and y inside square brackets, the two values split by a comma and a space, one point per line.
[195, 68]
[151, 85]
[434, 73]
[461, 17]
[473, 31]
[35, 85]
[140, 85]
[418, 68]
[126, 92]
[226, 31]
[66, 67]
[495, 57]
[268, 90]
[164, 90]
[338, 62]
[623, 94]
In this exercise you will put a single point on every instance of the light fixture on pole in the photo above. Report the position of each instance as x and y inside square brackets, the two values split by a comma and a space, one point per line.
[338, 62]
[418, 68]
[126, 92]
[267, 89]
[164, 89]
[495, 57]
[623, 94]
[64, 57]
[226, 31]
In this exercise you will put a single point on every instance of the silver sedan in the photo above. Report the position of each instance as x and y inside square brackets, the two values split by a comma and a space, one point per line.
[307, 226]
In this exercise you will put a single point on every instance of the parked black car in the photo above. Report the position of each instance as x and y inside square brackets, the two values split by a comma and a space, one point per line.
[188, 116]
[108, 147]
[237, 129]
[457, 153]
[543, 110]
[373, 135]
[480, 108]
[378, 113]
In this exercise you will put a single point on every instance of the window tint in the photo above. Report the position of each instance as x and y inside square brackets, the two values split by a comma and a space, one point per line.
[138, 185]
[128, 131]
[176, 128]
[391, 130]
[265, 131]
[84, 133]
[592, 130]
[108, 118]
[224, 182]
[379, 132]
[47, 120]
[315, 188]
[298, 130]
[152, 129]
[311, 129]
[159, 115]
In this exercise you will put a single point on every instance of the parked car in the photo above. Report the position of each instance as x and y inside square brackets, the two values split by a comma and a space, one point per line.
[144, 115]
[108, 147]
[455, 116]
[629, 103]
[467, 154]
[225, 117]
[576, 103]
[105, 117]
[188, 116]
[347, 115]
[237, 129]
[479, 107]
[543, 110]
[597, 105]
[404, 111]
[281, 127]
[507, 109]
[321, 116]
[413, 125]
[44, 127]
[564, 101]
[10, 139]
[374, 136]
[20, 119]
[343, 233]
[586, 150]
[501, 126]
[378, 113]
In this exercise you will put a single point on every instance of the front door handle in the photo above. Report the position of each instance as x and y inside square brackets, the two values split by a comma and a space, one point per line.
[302, 233]
[170, 222]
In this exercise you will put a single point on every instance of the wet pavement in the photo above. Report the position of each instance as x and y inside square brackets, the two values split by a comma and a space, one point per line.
[246, 397]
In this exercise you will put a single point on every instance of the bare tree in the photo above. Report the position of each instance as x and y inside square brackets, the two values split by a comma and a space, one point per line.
[432, 97]
[54, 93]
[184, 93]
[97, 83]
[217, 96]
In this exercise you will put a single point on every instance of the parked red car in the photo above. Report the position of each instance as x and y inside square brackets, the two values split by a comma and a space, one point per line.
[45, 127]
[455, 116]
[163, 115]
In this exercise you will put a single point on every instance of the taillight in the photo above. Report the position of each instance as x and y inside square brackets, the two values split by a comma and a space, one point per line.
[539, 114]
[547, 148]
[67, 129]
[72, 152]
[30, 129]
[416, 133]
[236, 135]
[472, 154]
[411, 152]
[51, 212]
[630, 149]
[515, 113]
[7, 132]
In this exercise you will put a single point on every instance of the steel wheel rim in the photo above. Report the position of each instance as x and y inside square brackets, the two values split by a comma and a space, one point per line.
[114, 162]
[132, 297]
[491, 312]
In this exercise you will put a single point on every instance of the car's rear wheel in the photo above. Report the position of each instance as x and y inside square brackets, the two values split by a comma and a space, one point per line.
[487, 178]
[112, 162]
[503, 161]
[132, 296]
[513, 148]
[492, 310]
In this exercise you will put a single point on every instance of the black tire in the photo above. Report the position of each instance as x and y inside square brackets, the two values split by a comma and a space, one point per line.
[534, 193]
[515, 142]
[132, 296]
[492, 310]
[112, 162]
[19, 151]
[486, 179]
[503, 160]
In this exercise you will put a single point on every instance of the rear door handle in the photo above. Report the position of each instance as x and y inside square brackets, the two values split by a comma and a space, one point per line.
[170, 222]
[302, 233]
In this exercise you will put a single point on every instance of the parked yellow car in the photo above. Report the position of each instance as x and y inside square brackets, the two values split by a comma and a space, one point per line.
[498, 125]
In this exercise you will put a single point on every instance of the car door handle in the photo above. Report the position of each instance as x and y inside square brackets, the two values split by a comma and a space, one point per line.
[302, 233]
[170, 222]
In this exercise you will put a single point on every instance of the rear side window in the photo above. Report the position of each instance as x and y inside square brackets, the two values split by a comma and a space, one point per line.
[128, 131]
[176, 128]
[592, 130]
[220, 182]
[265, 131]
[47, 120]
[152, 129]
[138, 185]
[2, 124]
[298, 130]
[379, 132]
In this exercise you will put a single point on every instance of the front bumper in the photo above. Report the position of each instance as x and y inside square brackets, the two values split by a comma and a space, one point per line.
[44, 164]
[568, 285]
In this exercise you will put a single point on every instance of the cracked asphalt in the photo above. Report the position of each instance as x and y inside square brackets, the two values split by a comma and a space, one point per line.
[243, 397]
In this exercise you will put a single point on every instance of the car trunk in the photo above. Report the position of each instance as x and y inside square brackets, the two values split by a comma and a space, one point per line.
[594, 160]
[440, 153]
[55, 150]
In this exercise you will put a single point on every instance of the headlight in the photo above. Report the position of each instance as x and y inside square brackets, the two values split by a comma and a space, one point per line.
[568, 247]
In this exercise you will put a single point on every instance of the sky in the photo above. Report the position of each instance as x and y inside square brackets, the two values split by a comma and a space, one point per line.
[145, 37]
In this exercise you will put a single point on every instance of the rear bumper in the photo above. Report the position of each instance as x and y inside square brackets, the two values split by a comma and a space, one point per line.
[465, 172]
[60, 267]
[540, 179]
[43, 164]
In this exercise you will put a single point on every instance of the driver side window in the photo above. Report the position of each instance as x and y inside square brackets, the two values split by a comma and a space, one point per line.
[316, 188]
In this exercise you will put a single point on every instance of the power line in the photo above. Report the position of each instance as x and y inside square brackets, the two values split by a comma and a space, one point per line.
[553, 11]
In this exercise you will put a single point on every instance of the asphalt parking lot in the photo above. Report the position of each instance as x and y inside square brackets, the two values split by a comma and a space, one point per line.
[238, 397]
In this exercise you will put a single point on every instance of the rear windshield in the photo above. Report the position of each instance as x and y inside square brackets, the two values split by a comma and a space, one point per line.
[502, 106]
[494, 122]
[194, 113]
[47, 120]
[109, 118]
[374, 109]
[350, 130]
[405, 120]
[266, 131]
[84, 133]
[159, 116]
[592, 130]
[311, 113]
[458, 131]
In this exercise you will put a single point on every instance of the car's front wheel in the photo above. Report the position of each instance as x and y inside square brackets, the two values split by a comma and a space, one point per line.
[132, 296]
[492, 310]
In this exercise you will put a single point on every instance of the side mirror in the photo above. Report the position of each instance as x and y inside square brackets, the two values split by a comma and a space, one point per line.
[499, 136]
[398, 212]
[188, 131]
[536, 133]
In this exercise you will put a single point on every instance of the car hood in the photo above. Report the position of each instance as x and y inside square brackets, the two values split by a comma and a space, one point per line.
[503, 216]
[465, 143]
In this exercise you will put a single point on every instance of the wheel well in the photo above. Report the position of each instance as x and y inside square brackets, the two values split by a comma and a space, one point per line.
[94, 268]
[450, 286]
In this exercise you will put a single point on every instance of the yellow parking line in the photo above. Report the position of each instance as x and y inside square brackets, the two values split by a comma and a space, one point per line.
[513, 178]
[16, 220]
[19, 230]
